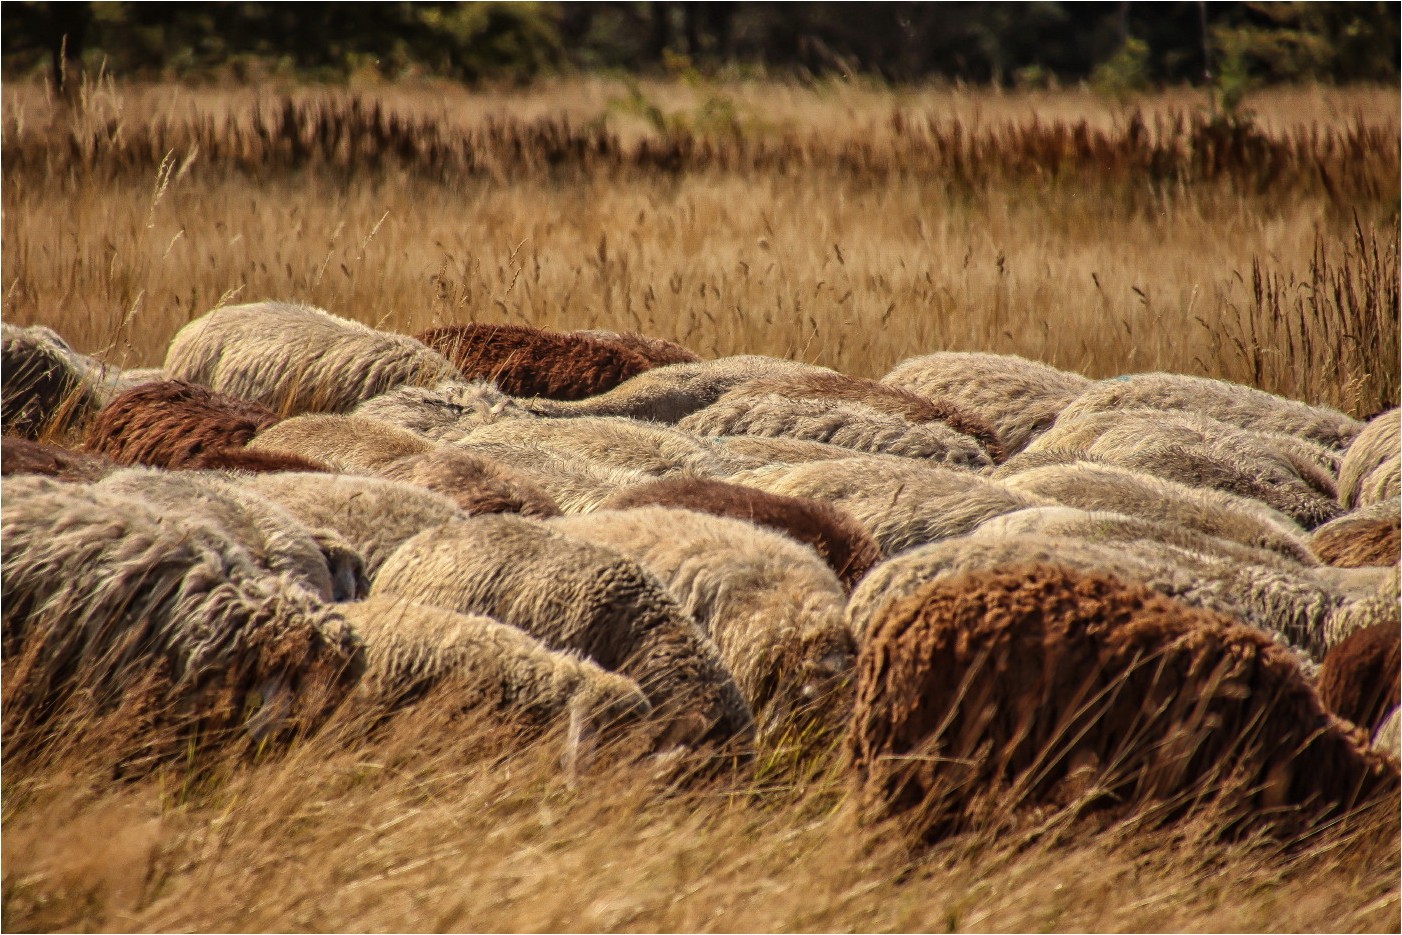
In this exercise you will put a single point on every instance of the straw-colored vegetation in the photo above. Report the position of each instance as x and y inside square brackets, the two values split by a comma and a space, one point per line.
[845, 225]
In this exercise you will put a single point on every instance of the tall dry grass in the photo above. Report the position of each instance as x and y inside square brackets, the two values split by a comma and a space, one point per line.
[845, 226]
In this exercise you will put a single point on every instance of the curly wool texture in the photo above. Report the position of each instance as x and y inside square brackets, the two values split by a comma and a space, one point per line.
[412, 649]
[445, 412]
[832, 533]
[1368, 536]
[168, 424]
[888, 399]
[1037, 685]
[1382, 607]
[1359, 678]
[575, 596]
[1232, 403]
[1371, 459]
[1019, 398]
[532, 362]
[23, 456]
[772, 608]
[657, 351]
[373, 515]
[849, 425]
[102, 590]
[655, 450]
[671, 393]
[575, 484]
[1090, 486]
[476, 483]
[901, 503]
[350, 443]
[297, 358]
[1184, 451]
[44, 383]
[1295, 607]
[1105, 528]
[276, 540]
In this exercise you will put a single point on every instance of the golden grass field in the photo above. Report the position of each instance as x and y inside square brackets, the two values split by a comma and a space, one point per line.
[841, 224]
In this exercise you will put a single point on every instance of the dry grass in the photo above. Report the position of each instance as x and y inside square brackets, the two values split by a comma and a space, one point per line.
[428, 829]
[845, 225]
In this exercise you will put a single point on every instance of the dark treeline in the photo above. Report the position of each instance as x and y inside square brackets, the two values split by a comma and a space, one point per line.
[1127, 44]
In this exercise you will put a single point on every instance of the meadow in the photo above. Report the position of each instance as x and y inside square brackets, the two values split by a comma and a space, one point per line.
[840, 224]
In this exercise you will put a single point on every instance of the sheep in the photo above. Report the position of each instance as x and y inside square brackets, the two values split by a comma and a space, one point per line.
[1379, 607]
[781, 450]
[297, 358]
[1106, 527]
[575, 596]
[127, 603]
[475, 663]
[442, 413]
[20, 455]
[276, 540]
[1105, 487]
[44, 384]
[655, 450]
[372, 514]
[1383, 484]
[350, 443]
[910, 406]
[670, 393]
[1019, 398]
[1296, 608]
[828, 530]
[850, 425]
[1367, 536]
[168, 423]
[477, 484]
[533, 362]
[1373, 449]
[576, 485]
[1035, 685]
[771, 606]
[901, 504]
[1182, 449]
[1227, 402]
[252, 461]
[657, 351]
[1358, 679]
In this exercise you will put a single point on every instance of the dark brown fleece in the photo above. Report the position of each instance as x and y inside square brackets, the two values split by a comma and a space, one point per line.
[829, 530]
[168, 423]
[254, 461]
[531, 362]
[910, 406]
[23, 456]
[1358, 542]
[1359, 677]
[1031, 686]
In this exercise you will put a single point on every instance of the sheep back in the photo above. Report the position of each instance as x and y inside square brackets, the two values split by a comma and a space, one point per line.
[168, 423]
[444, 412]
[44, 384]
[528, 361]
[657, 351]
[1030, 686]
[1358, 679]
[350, 443]
[476, 483]
[20, 455]
[1368, 536]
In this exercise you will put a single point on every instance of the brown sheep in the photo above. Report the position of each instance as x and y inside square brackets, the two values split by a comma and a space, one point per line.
[1359, 677]
[819, 384]
[476, 483]
[527, 361]
[23, 456]
[1035, 685]
[168, 423]
[1366, 537]
[827, 529]
[659, 351]
[253, 461]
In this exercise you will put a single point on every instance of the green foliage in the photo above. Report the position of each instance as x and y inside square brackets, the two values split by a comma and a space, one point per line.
[1124, 74]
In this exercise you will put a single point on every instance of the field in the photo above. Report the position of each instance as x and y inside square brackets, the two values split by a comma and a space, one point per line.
[840, 224]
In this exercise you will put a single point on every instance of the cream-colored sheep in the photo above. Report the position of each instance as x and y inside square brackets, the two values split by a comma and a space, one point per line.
[772, 606]
[297, 358]
[1020, 398]
[575, 596]
[442, 413]
[1371, 463]
[351, 443]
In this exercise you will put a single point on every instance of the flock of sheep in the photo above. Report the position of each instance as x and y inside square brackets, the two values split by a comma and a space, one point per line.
[993, 584]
